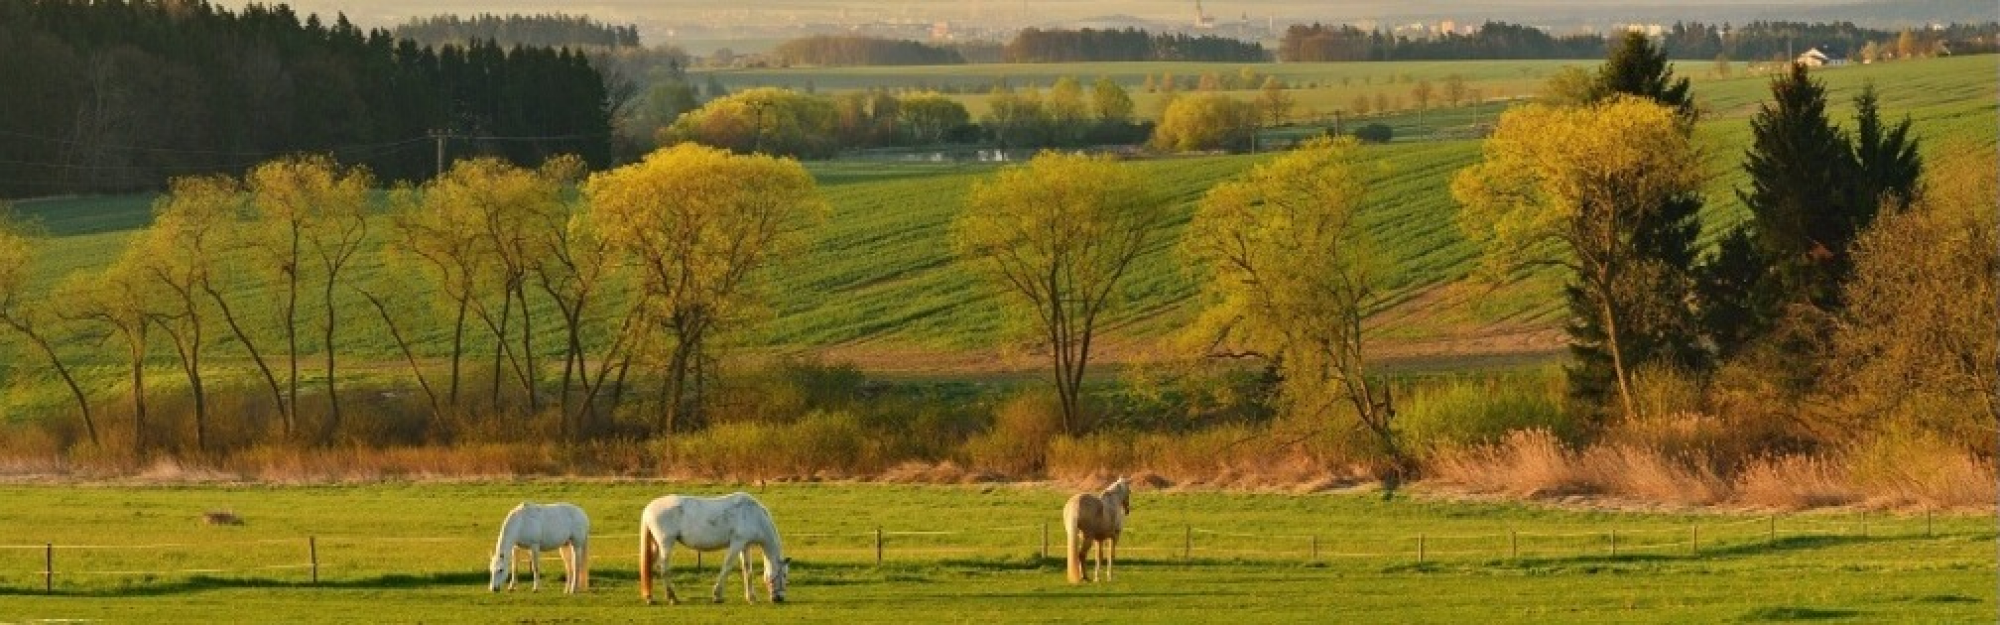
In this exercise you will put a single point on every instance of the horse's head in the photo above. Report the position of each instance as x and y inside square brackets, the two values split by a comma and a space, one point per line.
[1123, 491]
[774, 579]
[502, 561]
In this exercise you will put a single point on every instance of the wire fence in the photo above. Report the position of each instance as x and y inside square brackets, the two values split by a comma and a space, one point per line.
[302, 560]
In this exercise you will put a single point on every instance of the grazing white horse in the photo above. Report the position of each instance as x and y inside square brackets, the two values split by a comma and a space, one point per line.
[544, 526]
[732, 522]
[1092, 519]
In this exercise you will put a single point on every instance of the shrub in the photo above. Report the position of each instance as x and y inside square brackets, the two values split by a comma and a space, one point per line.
[1375, 133]
[1460, 413]
[1018, 443]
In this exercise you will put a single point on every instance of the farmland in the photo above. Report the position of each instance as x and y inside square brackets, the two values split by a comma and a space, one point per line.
[881, 279]
[415, 551]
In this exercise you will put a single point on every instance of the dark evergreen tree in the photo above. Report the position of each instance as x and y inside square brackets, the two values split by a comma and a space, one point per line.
[1662, 329]
[1888, 163]
[1800, 169]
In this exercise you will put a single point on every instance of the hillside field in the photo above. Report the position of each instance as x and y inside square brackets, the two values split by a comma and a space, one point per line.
[881, 287]
[417, 552]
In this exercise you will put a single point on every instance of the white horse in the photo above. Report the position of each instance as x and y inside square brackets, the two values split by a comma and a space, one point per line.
[732, 522]
[537, 527]
[1092, 519]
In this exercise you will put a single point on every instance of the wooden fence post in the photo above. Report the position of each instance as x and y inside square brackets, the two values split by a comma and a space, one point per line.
[1695, 531]
[1315, 547]
[1187, 542]
[1614, 543]
[312, 553]
[1513, 545]
[1420, 549]
[1864, 523]
[49, 568]
[878, 545]
[698, 558]
[1045, 540]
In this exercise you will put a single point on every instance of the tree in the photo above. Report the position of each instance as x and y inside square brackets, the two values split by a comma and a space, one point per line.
[1454, 89]
[1922, 310]
[180, 252]
[929, 117]
[1636, 67]
[1564, 186]
[1906, 45]
[20, 313]
[1887, 161]
[1665, 331]
[117, 299]
[1722, 65]
[1360, 106]
[1569, 86]
[1207, 121]
[1422, 94]
[1110, 102]
[1016, 119]
[767, 120]
[1275, 101]
[1066, 110]
[1056, 237]
[1292, 276]
[702, 227]
[1798, 165]
[311, 215]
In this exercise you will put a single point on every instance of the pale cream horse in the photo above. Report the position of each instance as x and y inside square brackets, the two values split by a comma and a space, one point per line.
[733, 522]
[1096, 520]
[560, 526]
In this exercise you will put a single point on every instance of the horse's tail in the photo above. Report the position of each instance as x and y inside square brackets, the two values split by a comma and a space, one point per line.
[648, 551]
[1070, 545]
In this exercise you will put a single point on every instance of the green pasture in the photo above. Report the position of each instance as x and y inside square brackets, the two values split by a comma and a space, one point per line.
[881, 273]
[401, 552]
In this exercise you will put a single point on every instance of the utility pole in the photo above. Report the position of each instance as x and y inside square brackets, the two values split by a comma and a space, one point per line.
[440, 136]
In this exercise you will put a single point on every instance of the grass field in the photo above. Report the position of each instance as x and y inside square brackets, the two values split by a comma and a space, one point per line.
[402, 552]
[881, 281]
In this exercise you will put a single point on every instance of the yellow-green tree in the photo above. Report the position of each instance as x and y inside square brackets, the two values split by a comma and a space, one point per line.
[1566, 186]
[1056, 237]
[25, 314]
[767, 120]
[702, 226]
[311, 214]
[1204, 121]
[1921, 305]
[1275, 101]
[1292, 274]
[121, 299]
[180, 252]
[1110, 101]
[1068, 113]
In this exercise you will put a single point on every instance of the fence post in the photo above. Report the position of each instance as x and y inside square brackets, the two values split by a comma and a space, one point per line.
[1420, 549]
[312, 554]
[1187, 542]
[697, 559]
[1045, 540]
[1513, 545]
[878, 545]
[1614, 543]
[1864, 523]
[49, 568]
[1695, 529]
[1315, 547]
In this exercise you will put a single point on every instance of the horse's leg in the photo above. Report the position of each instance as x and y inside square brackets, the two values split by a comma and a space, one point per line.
[1083, 554]
[1110, 556]
[735, 549]
[667, 569]
[1101, 547]
[535, 566]
[513, 565]
[568, 552]
[743, 562]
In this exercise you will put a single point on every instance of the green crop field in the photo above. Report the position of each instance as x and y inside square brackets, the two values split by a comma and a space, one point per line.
[881, 279]
[403, 552]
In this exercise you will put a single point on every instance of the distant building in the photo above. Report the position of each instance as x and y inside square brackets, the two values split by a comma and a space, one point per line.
[1202, 20]
[1821, 58]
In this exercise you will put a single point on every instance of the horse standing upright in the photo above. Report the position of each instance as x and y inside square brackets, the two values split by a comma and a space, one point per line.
[558, 526]
[732, 522]
[1093, 519]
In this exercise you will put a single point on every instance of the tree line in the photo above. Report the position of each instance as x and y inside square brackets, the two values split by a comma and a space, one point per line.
[1035, 45]
[1684, 40]
[120, 96]
[842, 50]
[546, 30]
[641, 269]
